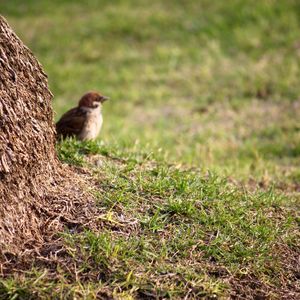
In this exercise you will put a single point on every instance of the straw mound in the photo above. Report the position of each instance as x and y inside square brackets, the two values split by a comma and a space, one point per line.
[38, 196]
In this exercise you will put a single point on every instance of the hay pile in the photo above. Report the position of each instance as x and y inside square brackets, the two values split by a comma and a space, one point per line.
[38, 196]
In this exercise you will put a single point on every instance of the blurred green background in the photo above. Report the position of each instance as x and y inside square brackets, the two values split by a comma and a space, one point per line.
[212, 84]
[204, 85]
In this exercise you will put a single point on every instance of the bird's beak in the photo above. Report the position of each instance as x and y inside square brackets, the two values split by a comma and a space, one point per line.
[104, 98]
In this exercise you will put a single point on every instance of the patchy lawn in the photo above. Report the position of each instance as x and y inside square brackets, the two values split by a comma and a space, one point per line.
[196, 171]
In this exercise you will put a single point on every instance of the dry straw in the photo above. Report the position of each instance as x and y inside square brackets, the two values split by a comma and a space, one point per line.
[39, 197]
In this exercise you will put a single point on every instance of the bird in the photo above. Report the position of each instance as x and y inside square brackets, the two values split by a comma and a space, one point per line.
[84, 121]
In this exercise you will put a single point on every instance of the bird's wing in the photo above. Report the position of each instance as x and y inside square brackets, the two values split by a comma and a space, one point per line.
[71, 123]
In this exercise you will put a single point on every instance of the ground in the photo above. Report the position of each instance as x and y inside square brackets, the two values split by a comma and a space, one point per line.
[196, 170]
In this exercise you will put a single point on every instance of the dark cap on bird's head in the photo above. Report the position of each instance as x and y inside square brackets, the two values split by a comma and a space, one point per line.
[92, 99]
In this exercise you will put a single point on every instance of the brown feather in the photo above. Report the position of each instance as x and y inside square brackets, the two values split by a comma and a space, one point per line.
[85, 121]
[71, 123]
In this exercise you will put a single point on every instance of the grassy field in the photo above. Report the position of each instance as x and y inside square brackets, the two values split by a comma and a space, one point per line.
[197, 166]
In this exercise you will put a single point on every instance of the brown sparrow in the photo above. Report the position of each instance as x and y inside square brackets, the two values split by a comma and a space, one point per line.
[84, 121]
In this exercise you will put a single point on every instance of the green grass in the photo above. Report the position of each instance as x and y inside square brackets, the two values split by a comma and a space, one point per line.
[197, 163]
[205, 82]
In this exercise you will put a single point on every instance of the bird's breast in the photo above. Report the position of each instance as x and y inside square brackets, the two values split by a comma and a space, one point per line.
[92, 126]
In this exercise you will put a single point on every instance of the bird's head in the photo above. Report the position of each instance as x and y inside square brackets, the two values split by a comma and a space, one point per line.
[92, 100]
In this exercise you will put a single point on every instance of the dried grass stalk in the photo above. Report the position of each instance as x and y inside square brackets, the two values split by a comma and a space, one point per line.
[38, 196]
